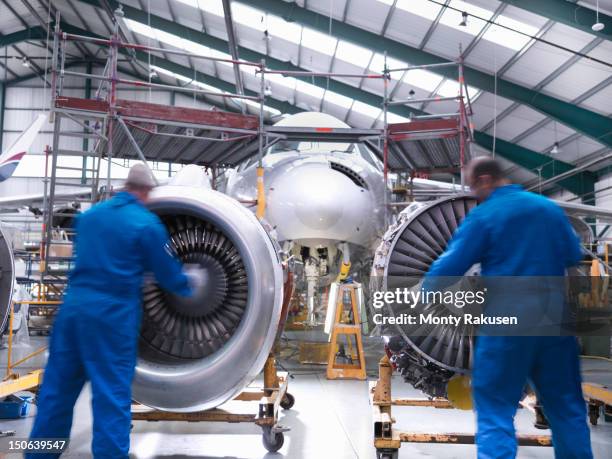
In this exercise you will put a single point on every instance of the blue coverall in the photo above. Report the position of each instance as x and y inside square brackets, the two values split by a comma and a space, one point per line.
[517, 233]
[95, 333]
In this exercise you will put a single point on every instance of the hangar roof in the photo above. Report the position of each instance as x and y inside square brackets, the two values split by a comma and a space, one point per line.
[537, 74]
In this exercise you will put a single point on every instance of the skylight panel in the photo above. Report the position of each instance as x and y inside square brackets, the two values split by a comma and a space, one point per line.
[310, 89]
[367, 110]
[176, 41]
[197, 48]
[353, 54]
[378, 64]
[453, 18]
[450, 88]
[423, 79]
[184, 79]
[140, 28]
[423, 8]
[509, 38]
[287, 82]
[338, 99]
[212, 6]
[289, 31]
[210, 88]
[317, 41]
[170, 39]
[244, 14]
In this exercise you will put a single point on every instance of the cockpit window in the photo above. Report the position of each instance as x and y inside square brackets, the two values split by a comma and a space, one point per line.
[310, 147]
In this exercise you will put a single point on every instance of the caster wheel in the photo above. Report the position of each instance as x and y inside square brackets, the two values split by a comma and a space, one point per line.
[593, 414]
[272, 441]
[387, 454]
[287, 402]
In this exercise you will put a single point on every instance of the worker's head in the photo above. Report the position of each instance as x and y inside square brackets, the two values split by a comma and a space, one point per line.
[140, 182]
[484, 175]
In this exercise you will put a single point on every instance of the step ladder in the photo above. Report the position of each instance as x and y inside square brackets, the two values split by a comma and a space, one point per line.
[346, 334]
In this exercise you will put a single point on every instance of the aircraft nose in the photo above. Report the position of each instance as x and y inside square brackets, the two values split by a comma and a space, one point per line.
[323, 208]
[314, 200]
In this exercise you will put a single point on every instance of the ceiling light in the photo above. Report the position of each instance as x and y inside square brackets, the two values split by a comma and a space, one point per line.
[598, 26]
[25, 62]
[153, 74]
[411, 94]
[555, 149]
[464, 19]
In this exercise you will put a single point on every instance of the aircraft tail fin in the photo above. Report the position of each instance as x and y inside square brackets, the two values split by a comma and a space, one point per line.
[9, 160]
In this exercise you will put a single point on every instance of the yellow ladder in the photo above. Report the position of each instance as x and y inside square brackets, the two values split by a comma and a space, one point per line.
[350, 329]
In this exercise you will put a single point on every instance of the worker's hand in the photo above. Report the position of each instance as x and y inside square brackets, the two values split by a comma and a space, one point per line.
[197, 279]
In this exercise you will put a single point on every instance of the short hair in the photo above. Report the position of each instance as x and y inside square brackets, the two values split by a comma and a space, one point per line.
[487, 166]
[135, 187]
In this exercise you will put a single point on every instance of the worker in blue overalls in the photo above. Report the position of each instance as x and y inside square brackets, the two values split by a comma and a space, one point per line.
[516, 233]
[95, 334]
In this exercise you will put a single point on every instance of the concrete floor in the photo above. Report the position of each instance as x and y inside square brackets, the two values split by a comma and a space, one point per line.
[331, 419]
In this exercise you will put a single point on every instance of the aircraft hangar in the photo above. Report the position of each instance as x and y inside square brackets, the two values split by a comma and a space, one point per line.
[306, 228]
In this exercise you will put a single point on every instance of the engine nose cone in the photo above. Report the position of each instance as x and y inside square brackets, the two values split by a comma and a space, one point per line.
[209, 292]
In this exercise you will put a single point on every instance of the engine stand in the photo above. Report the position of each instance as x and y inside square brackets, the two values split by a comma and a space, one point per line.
[272, 396]
[388, 440]
[599, 398]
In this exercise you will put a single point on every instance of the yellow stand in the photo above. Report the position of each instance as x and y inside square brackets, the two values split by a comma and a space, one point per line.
[13, 382]
[350, 328]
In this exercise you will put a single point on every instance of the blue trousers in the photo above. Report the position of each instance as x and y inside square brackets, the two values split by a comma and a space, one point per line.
[88, 344]
[502, 367]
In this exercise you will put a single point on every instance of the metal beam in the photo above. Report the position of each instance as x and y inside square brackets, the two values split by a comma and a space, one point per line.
[534, 161]
[568, 13]
[588, 122]
[89, 70]
[31, 33]
[233, 48]
[572, 172]
[352, 92]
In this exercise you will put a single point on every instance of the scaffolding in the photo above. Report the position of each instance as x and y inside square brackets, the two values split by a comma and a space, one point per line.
[428, 143]
[129, 129]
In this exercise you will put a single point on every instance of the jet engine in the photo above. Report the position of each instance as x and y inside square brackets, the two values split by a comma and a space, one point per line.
[7, 279]
[428, 359]
[196, 355]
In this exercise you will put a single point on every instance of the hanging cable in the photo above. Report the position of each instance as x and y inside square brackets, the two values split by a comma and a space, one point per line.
[149, 49]
[494, 100]
[329, 32]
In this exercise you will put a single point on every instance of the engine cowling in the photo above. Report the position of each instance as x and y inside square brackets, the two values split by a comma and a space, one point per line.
[7, 279]
[196, 357]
